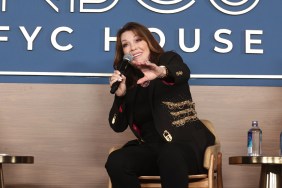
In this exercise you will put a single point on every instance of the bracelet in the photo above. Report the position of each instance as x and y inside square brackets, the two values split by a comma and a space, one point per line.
[166, 72]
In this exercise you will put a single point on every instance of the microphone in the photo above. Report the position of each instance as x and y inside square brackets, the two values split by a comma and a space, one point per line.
[122, 67]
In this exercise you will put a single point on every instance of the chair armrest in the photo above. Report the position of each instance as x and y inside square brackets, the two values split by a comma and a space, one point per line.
[211, 150]
[113, 149]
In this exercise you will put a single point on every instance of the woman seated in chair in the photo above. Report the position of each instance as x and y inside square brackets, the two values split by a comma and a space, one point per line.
[153, 99]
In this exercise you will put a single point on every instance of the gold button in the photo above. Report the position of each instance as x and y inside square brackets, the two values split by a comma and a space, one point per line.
[167, 136]
[114, 119]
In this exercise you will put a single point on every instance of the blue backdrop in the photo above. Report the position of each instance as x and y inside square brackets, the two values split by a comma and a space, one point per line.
[214, 37]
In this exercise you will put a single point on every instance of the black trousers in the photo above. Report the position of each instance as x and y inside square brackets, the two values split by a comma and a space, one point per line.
[172, 161]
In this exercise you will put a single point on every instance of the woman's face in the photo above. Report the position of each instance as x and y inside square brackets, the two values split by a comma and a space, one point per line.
[136, 46]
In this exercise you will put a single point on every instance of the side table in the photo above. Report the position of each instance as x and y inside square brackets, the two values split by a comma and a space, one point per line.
[271, 168]
[12, 160]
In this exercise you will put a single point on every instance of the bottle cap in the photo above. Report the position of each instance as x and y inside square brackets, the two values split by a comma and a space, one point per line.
[255, 123]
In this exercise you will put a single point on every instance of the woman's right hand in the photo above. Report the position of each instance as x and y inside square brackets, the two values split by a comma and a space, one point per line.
[118, 77]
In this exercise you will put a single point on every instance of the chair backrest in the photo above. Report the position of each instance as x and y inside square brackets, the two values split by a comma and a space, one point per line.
[214, 149]
[210, 126]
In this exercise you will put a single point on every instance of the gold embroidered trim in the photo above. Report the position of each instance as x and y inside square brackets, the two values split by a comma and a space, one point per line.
[182, 122]
[179, 105]
[182, 112]
[179, 73]
[186, 111]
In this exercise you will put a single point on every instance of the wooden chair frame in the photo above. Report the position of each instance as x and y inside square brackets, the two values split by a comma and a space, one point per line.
[212, 162]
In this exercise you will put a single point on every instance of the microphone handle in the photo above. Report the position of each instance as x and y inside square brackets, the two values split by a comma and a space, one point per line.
[122, 69]
[114, 87]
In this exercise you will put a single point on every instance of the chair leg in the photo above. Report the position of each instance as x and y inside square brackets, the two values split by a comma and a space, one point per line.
[219, 171]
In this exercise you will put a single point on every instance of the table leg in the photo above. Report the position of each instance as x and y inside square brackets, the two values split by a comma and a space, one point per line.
[1, 177]
[271, 176]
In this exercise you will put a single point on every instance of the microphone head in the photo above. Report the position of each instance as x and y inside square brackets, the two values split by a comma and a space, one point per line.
[128, 57]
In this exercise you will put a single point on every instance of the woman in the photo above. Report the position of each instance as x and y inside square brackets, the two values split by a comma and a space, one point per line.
[154, 100]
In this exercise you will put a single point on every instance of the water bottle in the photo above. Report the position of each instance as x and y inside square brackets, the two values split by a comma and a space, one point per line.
[254, 140]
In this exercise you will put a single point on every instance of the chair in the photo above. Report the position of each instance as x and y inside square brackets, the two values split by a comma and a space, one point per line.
[212, 162]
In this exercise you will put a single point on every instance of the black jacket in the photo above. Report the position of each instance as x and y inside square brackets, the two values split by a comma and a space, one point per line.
[173, 110]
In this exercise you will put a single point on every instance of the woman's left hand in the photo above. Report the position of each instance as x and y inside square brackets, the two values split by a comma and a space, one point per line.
[150, 70]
